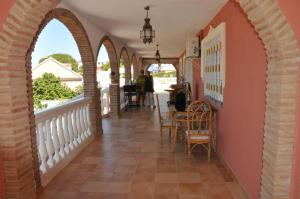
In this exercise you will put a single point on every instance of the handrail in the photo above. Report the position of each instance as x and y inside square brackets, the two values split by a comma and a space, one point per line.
[50, 112]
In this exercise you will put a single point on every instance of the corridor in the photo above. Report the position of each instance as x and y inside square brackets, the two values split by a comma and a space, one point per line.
[131, 162]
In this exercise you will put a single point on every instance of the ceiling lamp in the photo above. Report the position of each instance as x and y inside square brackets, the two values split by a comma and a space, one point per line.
[157, 55]
[147, 34]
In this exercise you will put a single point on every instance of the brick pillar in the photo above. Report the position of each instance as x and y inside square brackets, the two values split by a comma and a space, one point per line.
[114, 92]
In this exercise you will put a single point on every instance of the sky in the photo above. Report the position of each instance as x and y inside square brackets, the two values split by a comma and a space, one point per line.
[56, 38]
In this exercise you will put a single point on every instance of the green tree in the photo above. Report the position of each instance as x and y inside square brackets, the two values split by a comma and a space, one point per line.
[63, 58]
[164, 74]
[49, 87]
[105, 66]
[122, 63]
[79, 90]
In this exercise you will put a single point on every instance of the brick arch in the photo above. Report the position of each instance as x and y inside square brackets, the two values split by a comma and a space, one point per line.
[282, 82]
[112, 55]
[134, 63]
[283, 62]
[146, 63]
[125, 56]
[89, 66]
[18, 37]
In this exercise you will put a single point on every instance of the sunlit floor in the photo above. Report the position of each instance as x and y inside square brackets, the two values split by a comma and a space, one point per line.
[131, 161]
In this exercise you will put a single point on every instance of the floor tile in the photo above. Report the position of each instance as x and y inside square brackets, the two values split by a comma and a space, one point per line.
[131, 161]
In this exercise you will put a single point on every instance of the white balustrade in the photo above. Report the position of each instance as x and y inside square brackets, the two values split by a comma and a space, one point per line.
[60, 130]
[122, 98]
[105, 103]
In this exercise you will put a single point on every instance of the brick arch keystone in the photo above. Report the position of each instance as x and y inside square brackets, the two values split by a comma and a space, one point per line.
[282, 82]
[125, 56]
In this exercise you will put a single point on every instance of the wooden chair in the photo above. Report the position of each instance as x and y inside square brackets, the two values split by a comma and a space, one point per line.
[199, 127]
[163, 122]
[180, 119]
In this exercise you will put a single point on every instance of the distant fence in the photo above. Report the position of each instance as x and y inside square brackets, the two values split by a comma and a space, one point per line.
[162, 83]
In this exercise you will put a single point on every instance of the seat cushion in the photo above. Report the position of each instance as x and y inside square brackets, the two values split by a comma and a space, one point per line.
[166, 122]
[201, 134]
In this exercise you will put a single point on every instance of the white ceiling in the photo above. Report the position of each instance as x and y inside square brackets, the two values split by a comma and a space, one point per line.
[173, 21]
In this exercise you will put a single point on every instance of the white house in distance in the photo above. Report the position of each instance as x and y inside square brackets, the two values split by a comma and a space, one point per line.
[63, 71]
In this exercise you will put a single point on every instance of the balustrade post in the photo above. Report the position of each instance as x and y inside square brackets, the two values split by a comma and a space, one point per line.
[61, 137]
[79, 129]
[55, 139]
[70, 128]
[49, 144]
[88, 121]
[75, 132]
[83, 127]
[42, 148]
[66, 133]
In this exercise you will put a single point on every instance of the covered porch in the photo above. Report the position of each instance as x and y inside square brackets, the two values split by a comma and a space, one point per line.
[73, 151]
[130, 160]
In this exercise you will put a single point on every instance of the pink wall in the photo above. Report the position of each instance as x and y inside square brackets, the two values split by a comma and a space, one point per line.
[241, 119]
[291, 10]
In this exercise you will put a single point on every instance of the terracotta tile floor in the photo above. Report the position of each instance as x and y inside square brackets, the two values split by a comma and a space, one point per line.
[131, 162]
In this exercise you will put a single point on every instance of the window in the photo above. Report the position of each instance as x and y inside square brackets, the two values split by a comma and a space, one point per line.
[213, 63]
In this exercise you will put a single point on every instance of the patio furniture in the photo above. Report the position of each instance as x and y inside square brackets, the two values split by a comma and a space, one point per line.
[199, 126]
[179, 119]
[163, 121]
[131, 96]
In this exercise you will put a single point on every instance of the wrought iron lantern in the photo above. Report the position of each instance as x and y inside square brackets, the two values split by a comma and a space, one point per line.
[147, 34]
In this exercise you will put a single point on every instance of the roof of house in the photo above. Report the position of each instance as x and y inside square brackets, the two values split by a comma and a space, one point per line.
[67, 73]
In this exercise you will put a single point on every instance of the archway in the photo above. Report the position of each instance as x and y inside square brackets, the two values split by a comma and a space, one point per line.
[89, 68]
[103, 78]
[283, 62]
[112, 54]
[114, 90]
[164, 76]
[22, 94]
[124, 62]
[53, 61]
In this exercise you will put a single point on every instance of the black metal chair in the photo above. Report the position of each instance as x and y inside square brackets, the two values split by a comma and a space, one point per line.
[131, 96]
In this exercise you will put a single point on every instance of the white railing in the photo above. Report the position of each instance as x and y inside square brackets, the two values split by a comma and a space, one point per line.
[162, 83]
[122, 98]
[61, 132]
[105, 103]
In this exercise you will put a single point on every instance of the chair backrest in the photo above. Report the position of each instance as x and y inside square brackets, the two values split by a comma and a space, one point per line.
[199, 116]
[130, 88]
[158, 109]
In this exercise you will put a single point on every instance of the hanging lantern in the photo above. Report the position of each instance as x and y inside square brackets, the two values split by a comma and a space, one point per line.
[147, 34]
